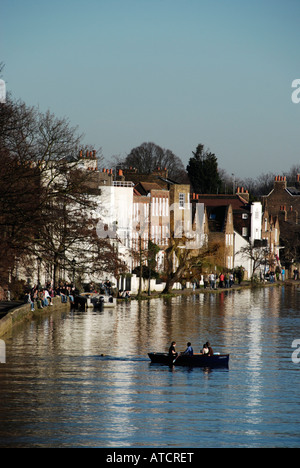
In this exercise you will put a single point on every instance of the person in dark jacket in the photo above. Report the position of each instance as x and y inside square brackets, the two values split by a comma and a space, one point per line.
[172, 350]
[189, 350]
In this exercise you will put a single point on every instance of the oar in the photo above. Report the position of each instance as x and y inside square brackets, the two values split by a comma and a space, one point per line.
[179, 354]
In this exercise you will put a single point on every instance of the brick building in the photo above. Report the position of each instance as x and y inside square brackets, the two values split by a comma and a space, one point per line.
[282, 205]
[284, 198]
[241, 209]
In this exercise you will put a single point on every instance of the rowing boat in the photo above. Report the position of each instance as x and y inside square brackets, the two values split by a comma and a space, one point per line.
[197, 360]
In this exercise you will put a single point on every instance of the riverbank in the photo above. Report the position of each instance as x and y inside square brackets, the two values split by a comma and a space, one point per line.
[202, 290]
[24, 313]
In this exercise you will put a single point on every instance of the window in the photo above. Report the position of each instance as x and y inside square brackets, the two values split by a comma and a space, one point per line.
[244, 216]
[181, 201]
[163, 207]
[245, 232]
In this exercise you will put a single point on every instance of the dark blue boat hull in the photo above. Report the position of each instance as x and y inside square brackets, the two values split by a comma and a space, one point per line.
[198, 360]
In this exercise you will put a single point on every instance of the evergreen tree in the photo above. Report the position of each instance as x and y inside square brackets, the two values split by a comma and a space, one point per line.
[203, 171]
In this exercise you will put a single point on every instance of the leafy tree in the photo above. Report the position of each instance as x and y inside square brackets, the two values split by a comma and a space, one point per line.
[203, 171]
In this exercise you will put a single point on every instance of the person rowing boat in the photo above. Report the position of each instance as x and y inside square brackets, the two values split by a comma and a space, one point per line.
[172, 350]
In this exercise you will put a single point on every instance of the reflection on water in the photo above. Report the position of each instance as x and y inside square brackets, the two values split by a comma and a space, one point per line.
[84, 379]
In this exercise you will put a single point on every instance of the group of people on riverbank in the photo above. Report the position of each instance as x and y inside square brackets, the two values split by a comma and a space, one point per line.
[214, 281]
[206, 350]
[43, 297]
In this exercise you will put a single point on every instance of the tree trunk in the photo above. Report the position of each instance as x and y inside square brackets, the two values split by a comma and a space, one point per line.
[141, 267]
[55, 272]
[174, 278]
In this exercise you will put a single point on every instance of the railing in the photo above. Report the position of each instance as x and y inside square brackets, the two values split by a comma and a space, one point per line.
[122, 183]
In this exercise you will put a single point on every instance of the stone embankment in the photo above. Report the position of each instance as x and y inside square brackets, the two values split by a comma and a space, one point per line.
[24, 313]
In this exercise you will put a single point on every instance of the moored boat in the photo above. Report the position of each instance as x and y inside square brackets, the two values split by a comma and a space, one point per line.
[94, 300]
[197, 360]
[104, 301]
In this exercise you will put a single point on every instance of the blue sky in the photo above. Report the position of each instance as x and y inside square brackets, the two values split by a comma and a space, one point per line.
[174, 72]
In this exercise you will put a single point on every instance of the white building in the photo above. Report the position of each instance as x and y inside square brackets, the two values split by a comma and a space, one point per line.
[256, 222]
[115, 210]
[241, 241]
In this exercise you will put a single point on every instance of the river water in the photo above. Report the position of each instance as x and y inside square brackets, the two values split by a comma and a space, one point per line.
[56, 390]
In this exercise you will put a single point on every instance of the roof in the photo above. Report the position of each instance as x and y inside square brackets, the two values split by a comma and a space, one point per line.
[293, 191]
[145, 187]
[136, 178]
[237, 202]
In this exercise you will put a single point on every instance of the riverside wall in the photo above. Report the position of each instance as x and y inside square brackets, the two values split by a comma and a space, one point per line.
[24, 313]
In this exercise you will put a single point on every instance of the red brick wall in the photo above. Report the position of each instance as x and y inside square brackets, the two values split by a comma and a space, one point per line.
[281, 200]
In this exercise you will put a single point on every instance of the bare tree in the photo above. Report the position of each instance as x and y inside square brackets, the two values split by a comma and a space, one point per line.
[180, 259]
[259, 256]
[47, 203]
[148, 157]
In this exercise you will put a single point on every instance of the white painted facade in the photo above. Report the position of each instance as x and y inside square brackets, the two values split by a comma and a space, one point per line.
[239, 259]
[256, 222]
[115, 211]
